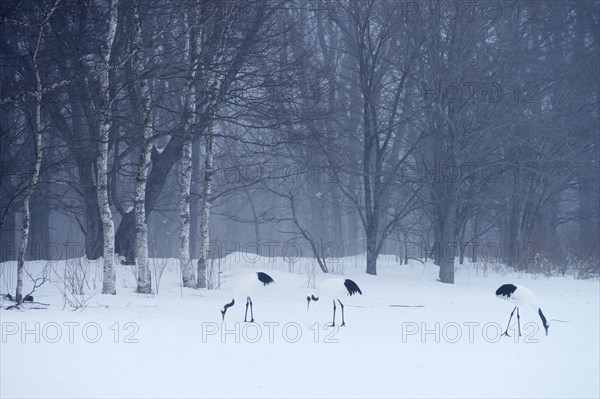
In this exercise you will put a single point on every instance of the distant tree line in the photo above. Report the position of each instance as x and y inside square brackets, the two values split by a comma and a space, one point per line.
[138, 128]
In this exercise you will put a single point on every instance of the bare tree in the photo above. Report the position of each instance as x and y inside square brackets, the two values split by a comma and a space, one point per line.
[214, 90]
[109, 276]
[144, 277]
[348, 96]
[185, 183]
[374, 41]
[216, 84]
[38, 150]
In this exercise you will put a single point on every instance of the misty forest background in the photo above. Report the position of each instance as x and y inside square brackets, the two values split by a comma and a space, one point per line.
[326, 128]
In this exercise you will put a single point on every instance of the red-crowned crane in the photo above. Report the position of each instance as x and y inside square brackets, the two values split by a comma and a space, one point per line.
[243, 286]
[520, 296]
[335, 288]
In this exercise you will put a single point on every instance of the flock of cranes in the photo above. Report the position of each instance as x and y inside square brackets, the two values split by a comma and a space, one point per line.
[336, 288]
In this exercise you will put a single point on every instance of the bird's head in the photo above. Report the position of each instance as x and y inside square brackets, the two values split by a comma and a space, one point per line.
[310, 298]
[227, 305]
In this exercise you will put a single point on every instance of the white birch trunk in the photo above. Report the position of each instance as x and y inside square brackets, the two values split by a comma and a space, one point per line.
[109, 277]
[206, 205]
[33, 183]
[144, 278]
[38, 158]
[213, 101]
[187, 269]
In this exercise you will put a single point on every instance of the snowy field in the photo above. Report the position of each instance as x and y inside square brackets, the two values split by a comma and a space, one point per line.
[437, 341]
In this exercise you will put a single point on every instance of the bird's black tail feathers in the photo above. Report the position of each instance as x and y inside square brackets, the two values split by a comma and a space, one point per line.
[265, 278]
[352, 287]
[506, 290]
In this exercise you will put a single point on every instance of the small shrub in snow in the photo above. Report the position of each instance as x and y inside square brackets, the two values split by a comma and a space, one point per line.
[73, 283]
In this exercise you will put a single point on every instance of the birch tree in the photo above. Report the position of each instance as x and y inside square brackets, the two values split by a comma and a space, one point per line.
[38, 153]
[213, 85]
[206, 205]
[144, 281]
[187, 269]
[109, 277]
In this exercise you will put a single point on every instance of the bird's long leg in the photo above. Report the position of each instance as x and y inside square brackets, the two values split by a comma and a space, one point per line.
[508, 325]
[251, 314]
[342, 305]
[246, 314]
[519, 321]
[333, 323]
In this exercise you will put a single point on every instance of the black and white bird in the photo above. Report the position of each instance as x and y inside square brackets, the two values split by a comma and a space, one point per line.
[520, 296]
[243, 286]
[335, 288]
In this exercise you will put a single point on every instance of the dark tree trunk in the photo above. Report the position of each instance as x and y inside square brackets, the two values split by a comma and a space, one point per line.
[39, 238]
[372, 252]
[475, 240]
[93, 225]
[337, 227]
[8, 245]
[354, 247]
[161, 165]
[461, 241]
[255, 218]
[589, 230]
[510, 234]
[448, 245]
[125, 239]
[438, 226]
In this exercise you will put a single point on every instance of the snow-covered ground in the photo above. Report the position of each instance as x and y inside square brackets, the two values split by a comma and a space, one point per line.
[438, 341]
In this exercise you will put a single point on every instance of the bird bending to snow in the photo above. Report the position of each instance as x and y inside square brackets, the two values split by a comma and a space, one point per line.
[243, 286]
[520, 296]
[334, 288]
